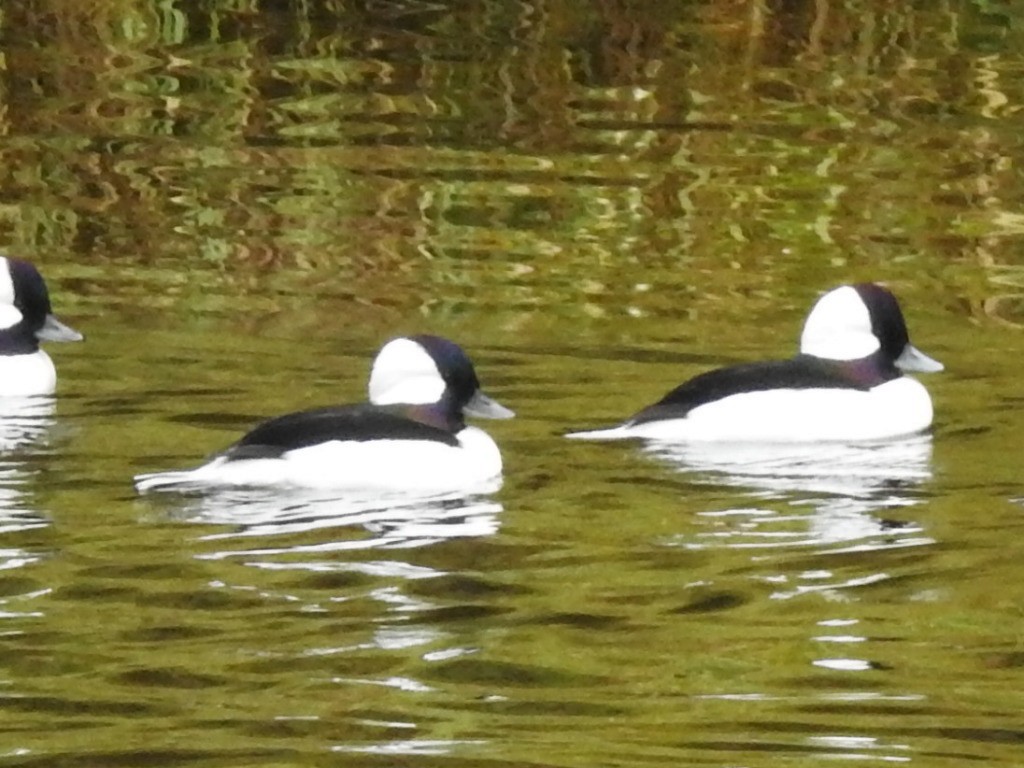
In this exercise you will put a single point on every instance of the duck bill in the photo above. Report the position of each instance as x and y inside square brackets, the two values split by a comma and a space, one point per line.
[913, 359]
[54, 330]
[486, 408]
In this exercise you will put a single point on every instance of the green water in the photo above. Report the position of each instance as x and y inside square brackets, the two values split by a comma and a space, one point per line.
[238, 202]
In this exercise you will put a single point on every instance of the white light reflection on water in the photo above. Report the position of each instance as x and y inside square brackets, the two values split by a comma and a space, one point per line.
[399, 683]
[394, 637]
[376, 568]
[859, 748]
[831, 590]
[17, 510]
[410, 747]
[844, 665]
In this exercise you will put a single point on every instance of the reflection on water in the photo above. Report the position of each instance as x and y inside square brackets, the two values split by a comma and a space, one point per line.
[17, 509]
[423, 747]
[384, 521]
[24, 423]
[860, 470]
[235, 191]
[820, 526]
[832, 493]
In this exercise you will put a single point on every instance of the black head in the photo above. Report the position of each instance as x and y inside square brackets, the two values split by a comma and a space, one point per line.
[454, 366]
[887, 322]
[22, 287]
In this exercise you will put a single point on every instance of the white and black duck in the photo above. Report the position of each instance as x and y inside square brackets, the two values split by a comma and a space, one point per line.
[411, 436]
[846, 384]
[26, 319]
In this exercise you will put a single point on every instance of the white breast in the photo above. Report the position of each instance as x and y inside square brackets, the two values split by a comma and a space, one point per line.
[23, 375]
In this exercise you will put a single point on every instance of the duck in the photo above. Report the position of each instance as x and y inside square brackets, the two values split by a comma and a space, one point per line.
[26, 318]
[846, 384]
[410, 436]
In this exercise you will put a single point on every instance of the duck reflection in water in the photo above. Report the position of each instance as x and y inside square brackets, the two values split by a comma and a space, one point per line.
[19, 512]
[27, 424]
[25, 421]
[17, 507]
[809, 494]
[860, 470]
[383, 521]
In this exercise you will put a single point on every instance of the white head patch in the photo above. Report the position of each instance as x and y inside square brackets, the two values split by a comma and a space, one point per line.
[404, 373]
[9, 315]
[839, 327]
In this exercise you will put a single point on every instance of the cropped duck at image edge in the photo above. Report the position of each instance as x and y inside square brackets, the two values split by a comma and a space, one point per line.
[26, 318]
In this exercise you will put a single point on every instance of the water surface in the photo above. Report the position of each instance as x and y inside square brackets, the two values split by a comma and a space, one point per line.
[238, 203]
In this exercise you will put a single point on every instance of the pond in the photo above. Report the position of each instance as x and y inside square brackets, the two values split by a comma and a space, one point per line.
[239, 202]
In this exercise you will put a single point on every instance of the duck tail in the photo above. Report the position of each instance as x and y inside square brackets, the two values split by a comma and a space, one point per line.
[620, 432]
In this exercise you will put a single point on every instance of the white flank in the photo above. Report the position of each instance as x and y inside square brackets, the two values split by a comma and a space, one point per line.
[896, 408]
[404, 465]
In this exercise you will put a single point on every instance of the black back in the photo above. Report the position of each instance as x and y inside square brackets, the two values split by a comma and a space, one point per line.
[358, 423]
[800, 372]
[437, 422]
[33, 301]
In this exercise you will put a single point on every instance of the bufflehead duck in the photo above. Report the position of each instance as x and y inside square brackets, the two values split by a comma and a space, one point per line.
[846, 384]
[411, 436]
[26, 318]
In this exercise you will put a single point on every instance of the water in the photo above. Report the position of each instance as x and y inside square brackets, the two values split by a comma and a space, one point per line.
[238, 204]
